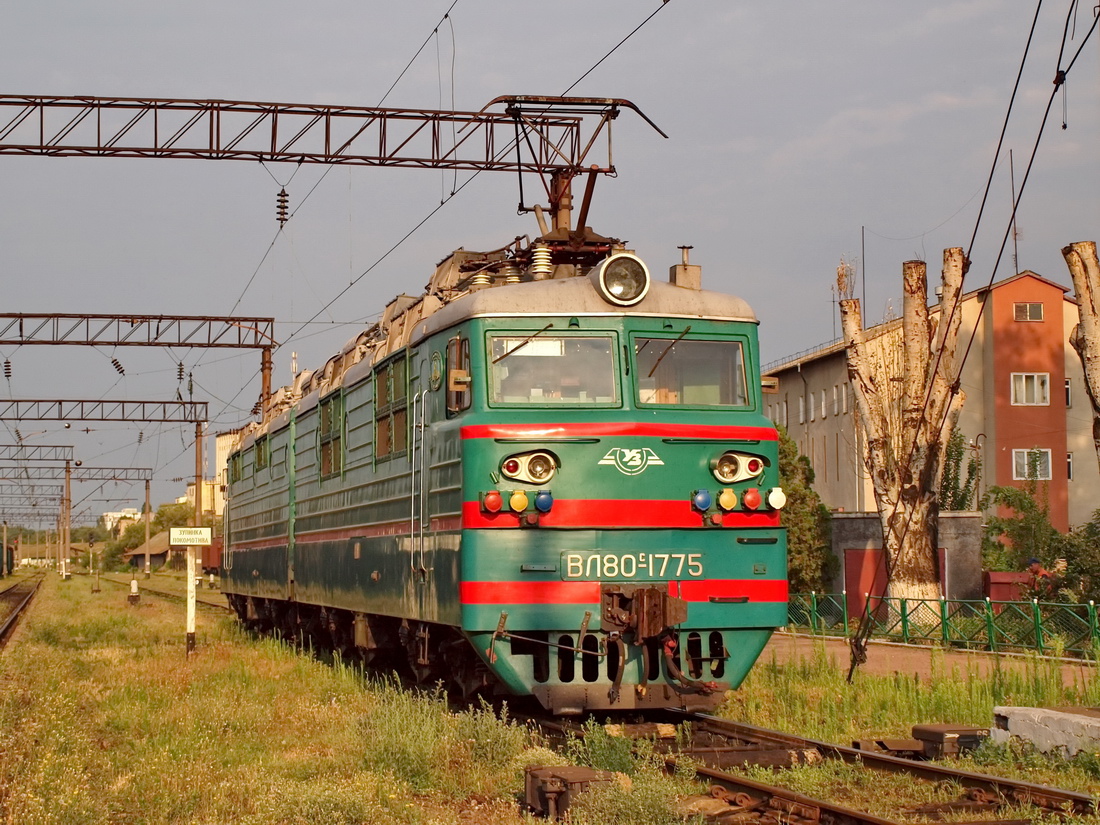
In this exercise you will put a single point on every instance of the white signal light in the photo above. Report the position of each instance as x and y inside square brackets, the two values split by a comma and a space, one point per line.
[776, 498]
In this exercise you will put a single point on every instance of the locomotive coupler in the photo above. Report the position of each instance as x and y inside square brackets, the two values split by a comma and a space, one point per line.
[647, 611]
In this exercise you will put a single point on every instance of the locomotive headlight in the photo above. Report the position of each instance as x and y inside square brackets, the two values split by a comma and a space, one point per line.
[622, 279]
[725, 467]
[540, 467]
[532, 468]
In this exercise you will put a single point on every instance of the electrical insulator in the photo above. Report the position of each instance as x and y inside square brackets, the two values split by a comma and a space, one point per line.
[18, 435]
[7, 369]
[179, 371]
[190, 384]
[281, 206]
[117, 366]
[141, 436]
[256, 408]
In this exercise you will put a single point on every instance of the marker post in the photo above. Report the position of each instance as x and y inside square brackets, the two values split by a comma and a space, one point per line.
[190, 537]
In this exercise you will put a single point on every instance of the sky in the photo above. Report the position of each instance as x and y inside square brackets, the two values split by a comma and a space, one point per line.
[799, 134]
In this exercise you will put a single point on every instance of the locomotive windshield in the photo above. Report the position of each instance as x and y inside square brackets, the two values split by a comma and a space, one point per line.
[690, 372]
[552, 369]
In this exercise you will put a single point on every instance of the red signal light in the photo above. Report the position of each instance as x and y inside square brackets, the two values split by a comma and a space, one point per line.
[511, 466]
[493, 501]
[751, 499]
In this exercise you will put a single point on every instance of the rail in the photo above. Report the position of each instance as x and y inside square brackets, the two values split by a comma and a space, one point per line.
[176, 596]
[19, 595]
[1046, 628]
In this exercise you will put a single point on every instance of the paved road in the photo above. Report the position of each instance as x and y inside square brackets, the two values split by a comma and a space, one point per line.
[885, 658]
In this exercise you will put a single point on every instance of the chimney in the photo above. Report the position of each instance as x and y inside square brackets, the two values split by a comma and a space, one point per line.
[684, 274]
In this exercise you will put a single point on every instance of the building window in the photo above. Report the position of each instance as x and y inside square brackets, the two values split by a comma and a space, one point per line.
[823, 404]
[331, 434]
[801, 410]
[1030, 389]
[1069, 466]
[813, 407]
[836, 399]
[1069, 394]
[844, 399]
[1028, 312]
[1031, 464]
[784, 412]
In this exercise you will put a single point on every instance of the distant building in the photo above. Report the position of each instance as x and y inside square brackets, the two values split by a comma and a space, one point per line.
[1026, 404]
[110, 521]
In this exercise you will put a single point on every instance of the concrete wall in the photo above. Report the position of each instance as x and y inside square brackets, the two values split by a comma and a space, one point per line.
[857, 542]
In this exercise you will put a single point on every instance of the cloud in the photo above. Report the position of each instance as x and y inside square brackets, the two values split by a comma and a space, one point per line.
[855, 129]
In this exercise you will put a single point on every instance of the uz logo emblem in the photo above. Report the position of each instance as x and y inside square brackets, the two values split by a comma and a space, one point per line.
[631, 461]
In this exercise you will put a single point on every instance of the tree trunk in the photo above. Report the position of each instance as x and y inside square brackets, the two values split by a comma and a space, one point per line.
[1084, 268]
[907, 411]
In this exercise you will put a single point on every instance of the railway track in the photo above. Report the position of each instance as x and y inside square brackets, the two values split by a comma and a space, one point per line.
[13, 601]
[717, 747]
[176, 596]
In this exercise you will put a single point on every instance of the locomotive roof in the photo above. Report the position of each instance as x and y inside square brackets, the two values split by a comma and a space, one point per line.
[578, 296]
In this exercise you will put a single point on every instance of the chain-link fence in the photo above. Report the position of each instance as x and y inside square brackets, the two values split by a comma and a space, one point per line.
[1042, 627]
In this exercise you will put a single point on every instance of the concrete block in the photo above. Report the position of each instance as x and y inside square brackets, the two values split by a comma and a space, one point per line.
[1063, 731]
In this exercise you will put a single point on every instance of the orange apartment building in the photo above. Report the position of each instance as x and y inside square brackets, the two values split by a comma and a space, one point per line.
[1025, 401]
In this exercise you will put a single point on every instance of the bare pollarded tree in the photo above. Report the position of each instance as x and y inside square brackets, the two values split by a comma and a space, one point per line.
[1085, 338]
[908, 402]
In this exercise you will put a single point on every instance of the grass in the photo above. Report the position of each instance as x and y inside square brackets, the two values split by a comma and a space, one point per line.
[103, 719]
[812, 698]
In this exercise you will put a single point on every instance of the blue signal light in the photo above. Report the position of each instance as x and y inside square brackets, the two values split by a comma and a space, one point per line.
[543, 501]
[701, 500]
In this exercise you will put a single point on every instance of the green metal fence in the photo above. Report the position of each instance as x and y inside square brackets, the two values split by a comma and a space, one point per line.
[1012, 627]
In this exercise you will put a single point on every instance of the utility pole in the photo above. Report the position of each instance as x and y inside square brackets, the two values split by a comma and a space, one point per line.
[65, 518]
[197, 521]
[148, 515]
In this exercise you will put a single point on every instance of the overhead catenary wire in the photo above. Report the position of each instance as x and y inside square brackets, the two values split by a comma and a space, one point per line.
[271, 245]
[312, 189]
[293, 336]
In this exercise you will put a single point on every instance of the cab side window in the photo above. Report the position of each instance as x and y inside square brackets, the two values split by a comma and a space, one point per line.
[458, 374]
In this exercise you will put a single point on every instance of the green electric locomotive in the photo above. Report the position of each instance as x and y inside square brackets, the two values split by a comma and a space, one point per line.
[547, 476]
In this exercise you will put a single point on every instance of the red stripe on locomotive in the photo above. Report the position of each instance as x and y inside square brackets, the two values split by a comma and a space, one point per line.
[588, 592]
[619, 428]
[617, 513]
